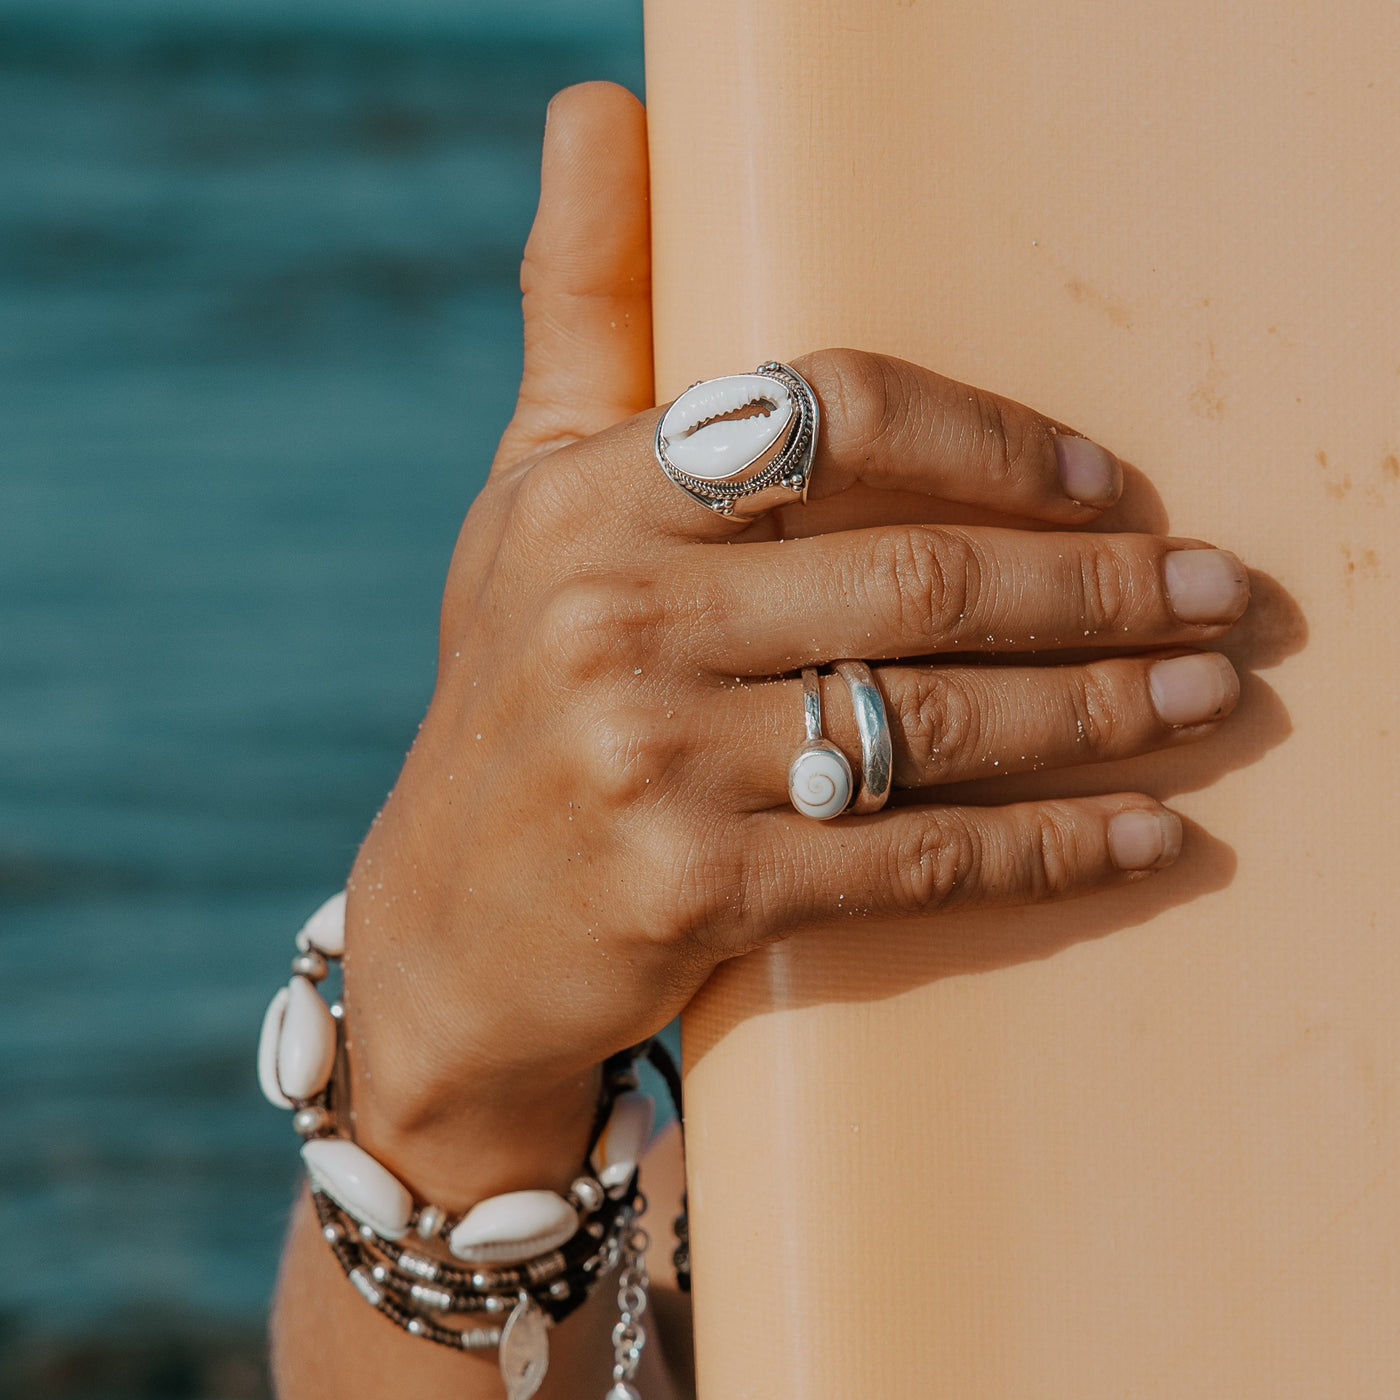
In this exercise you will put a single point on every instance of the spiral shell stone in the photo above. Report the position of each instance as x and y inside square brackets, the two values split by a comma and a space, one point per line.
[702, 442]
[820, 783]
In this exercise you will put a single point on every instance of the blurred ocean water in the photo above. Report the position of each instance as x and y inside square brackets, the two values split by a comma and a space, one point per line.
[258, 334]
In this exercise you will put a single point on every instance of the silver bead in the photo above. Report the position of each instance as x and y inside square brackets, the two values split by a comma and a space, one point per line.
[337, 1009]
[379, 1273]
[559, 1290]
[332, 1234]
[494, 1304]
[310, 1121]
[431, 1219]
[310, 965]
[418, 1266]
[367, 1290]
[588, 1193]
[623, 1391]
[436, 1299]
[483, 1280]
[415, 1327]
[366, 1232]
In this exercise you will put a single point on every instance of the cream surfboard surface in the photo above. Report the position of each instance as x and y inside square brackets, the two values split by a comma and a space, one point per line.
[1146, 1144]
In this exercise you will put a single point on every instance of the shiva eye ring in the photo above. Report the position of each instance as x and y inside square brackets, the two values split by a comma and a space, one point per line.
[820, 781]
[743, 443]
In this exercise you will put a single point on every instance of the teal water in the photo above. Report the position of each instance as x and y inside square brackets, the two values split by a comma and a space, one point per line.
[258, 334]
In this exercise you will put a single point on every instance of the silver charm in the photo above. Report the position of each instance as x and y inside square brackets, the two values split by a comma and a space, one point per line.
[524, 1349]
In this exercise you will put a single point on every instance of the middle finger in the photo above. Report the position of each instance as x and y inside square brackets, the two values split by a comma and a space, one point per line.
[921, 590]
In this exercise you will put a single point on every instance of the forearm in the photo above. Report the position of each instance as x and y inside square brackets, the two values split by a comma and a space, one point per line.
[328, 1344]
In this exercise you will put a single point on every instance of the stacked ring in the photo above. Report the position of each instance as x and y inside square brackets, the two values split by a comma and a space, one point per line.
[820, 782]
[820, 779]
[877, 750]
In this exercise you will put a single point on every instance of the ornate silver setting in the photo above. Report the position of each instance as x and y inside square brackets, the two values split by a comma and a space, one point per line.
[741, 464]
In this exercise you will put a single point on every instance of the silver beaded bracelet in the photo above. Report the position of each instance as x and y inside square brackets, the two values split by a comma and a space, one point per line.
[530, 1257]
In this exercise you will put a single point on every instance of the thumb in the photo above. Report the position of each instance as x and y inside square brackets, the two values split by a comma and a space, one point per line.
[586, 276]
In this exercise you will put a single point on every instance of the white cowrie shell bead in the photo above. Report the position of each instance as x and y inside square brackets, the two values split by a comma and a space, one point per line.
[306, 1044]
[267, 1051]
[717, 451]
[359, 1185]
[519, 1225]
[625, 1137]
[325, 929]
[820, 782]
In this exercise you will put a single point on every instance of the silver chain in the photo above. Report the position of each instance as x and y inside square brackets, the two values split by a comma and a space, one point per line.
[629, 1336]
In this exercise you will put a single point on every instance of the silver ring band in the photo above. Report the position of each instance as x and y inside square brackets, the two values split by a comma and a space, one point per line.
[820, 781]
[743, 443]
[877, 751]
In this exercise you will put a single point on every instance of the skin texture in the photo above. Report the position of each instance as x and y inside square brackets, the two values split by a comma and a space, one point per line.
[594, 814]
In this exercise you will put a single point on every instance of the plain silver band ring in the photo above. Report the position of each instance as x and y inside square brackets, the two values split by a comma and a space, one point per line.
[877, 750]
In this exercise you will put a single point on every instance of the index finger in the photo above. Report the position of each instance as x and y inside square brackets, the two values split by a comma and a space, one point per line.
[895, 425]
[884, 423]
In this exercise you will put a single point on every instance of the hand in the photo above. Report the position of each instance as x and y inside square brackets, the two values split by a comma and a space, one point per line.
[595, 812]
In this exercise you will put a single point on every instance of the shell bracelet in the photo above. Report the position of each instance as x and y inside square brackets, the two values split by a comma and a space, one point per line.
[516, 1263]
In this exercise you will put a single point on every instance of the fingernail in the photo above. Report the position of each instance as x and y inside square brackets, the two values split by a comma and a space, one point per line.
[1189, 689]
[1139, 840]
[1088, 474]
[1206, 585]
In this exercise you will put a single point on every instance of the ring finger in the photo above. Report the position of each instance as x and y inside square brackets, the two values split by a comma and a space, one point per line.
[950, 724]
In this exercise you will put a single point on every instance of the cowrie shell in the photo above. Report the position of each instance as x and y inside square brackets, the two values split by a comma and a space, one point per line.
[325, 929]
[700, 441]
[519, 1225]
[625, 1137]
[268, 1038]
[359, 1185]
[820, 782]
[305, 1042]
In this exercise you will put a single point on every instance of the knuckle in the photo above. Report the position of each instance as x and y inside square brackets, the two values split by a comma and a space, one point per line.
[1096, 720]
[1051, 856]
[698, 888]
[591, 628]
[546, 502]
[937, 865]
[1006, 442]
[931, 576]
[624, 758]
[1105, 586]
[943, 727]
[858, 392]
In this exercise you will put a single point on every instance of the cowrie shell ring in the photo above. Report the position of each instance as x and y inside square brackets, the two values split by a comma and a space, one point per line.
[820, 783]
[743, 443]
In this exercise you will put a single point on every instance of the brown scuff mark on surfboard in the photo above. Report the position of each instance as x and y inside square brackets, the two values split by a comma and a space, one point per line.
[1083, 293]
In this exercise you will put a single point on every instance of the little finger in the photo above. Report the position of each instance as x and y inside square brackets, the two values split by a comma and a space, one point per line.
[912, 861]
